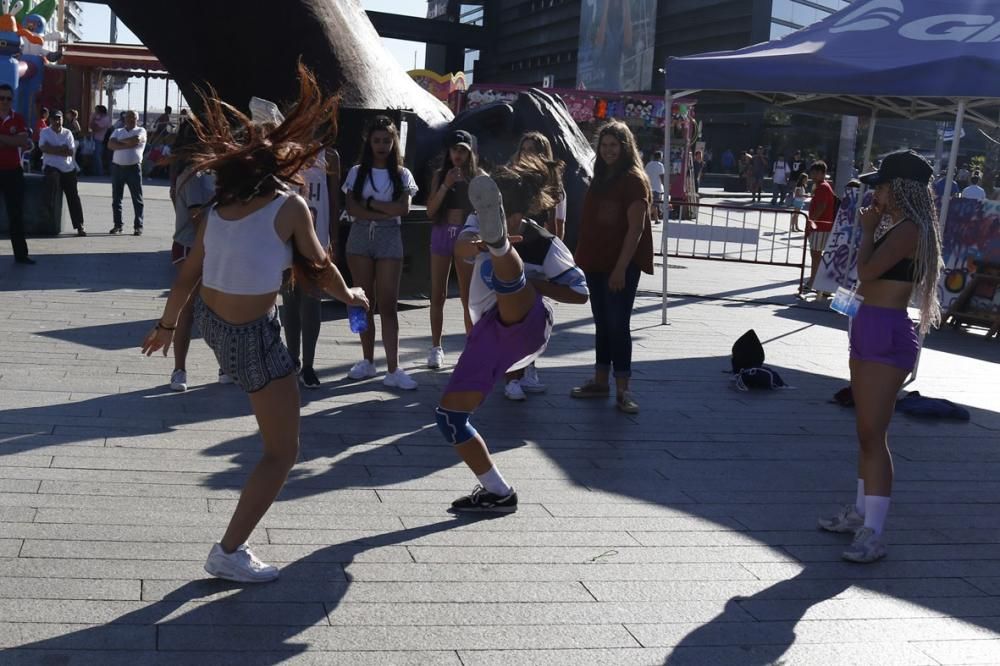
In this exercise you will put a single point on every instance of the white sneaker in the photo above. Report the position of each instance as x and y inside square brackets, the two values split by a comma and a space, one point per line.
[513, 391]
[224, 378]
[866, 547]
[179, 381]
[399, 379]
[485, 198]
[435, 359]
[241, 565]
[530, 382]
[846, 520]
[363, 369]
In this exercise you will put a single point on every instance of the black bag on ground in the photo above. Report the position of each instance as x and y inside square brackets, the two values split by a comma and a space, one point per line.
[748, 352]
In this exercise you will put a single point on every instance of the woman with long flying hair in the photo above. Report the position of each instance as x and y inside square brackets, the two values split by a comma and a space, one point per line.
[257, 228]
[517, 263]
[379, 189]
[615, 245]
[448, 205]
[522, 382]
[899, 260]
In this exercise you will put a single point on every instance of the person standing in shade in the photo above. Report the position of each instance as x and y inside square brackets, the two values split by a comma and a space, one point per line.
[100, 125]
[822, 209]
[302, 312]
[796, 167]
[128, 143]
[758, 169]
[656, 174]
[614, 247]
[698, 166]
[779, 175]
[40, 124]
[13, 139]
[58, 148]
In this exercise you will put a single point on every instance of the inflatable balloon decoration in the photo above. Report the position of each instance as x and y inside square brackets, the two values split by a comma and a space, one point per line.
[33, 53]
[10, 45]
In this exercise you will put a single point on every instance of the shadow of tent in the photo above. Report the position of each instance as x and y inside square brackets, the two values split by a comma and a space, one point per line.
[209, 621]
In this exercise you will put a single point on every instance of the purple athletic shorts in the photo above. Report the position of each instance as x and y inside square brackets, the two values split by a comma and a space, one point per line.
[493, 348]
[884, 335]
[443, 238]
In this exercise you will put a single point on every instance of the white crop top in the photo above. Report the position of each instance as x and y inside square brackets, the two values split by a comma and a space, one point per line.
[246, 256]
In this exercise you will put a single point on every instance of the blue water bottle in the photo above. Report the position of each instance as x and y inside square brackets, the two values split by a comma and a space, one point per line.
[358, 319]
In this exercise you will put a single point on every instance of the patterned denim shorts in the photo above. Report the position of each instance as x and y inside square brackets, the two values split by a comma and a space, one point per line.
[252, 353]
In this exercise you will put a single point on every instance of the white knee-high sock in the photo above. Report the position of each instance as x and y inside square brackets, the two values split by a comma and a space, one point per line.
[876, 509]
[859, 499]
[494, 482]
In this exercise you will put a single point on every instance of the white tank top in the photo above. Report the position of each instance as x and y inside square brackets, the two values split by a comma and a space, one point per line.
[246, 256]
[316, 192]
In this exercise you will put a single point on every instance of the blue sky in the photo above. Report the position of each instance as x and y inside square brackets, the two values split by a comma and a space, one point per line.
[97, 21]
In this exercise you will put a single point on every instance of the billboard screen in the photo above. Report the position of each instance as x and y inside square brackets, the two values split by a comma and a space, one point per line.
[616, 45]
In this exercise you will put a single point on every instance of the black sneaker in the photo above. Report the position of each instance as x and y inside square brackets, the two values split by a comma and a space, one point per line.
[308, 378]
[137, 232]
[115, 230]
[481, 500]
[80, 231]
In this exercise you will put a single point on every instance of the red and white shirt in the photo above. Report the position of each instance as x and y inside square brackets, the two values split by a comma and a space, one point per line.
[10, 156]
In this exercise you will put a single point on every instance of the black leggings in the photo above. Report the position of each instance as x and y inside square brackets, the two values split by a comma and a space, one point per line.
[301, 315]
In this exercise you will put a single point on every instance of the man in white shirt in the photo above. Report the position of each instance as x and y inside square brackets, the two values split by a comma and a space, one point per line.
[58, 148]
[656, 172]
[974, 191]
[128, 144]
[779, 186]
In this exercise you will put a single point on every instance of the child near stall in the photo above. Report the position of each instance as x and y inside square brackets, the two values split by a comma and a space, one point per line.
[799, 199]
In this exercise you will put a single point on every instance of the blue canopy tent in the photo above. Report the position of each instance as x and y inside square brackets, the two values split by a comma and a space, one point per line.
[917, 59]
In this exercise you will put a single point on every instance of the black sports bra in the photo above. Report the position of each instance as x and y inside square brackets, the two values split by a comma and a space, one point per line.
[457, 198]
[904, 270]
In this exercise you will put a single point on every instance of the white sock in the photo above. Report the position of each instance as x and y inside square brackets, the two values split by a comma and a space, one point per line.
[876, 509]
[859, 499]
[494, 482]
[500, 251]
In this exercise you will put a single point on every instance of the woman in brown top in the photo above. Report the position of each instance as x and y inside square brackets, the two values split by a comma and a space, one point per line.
[615, 244]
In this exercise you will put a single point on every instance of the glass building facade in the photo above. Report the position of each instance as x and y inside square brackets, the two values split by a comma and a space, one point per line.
[787, 16]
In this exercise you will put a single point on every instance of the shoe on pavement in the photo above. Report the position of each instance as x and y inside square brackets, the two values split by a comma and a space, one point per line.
[179, 381]
[530, 383]
[308, 378]
[866, 547]
[363, 369]
[626, 403]
[590, 390]
[224, 378]
[137, 232]
[846, 520]
[80, 231]
[482, 501]
[513, 391]
[485, 198]
[115, 230]
[399, 379]
[435, 358]
[241, 565]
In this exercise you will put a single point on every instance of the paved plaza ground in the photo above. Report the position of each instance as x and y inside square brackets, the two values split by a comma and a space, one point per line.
[684, 535]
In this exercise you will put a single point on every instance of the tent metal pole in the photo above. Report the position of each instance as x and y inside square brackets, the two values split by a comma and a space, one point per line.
[668, 111]
[952, 162]
[870, 141]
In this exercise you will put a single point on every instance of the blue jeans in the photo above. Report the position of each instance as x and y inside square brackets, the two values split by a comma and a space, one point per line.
[120, 177]
[613, 320]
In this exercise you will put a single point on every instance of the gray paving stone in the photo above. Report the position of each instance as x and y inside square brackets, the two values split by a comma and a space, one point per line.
[570, 555]
[200, 657]
[77, 637]
[63, 588]
[173, 637]
[979, 651]
[550, 572]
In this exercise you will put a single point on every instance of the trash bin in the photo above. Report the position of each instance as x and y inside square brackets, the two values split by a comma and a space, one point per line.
[36, 220]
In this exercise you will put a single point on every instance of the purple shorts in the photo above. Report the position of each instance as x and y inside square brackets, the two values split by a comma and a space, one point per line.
[443, 237]
[493, 349]
[884, 335]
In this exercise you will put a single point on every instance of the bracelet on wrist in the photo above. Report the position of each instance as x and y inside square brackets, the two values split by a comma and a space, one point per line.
[160, 326]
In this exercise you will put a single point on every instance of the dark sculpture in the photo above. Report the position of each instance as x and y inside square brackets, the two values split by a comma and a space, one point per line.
[251, 48]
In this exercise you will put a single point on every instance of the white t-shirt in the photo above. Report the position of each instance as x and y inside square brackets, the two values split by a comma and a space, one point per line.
[316, 192]
[780, 173]
[544, 256]
[129, 156]
[974, 192]
[194, 191]
[654, 170]
[64, 163]
[378, 185]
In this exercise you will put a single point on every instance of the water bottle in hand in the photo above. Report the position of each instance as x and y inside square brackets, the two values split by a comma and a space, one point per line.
[358, 319]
